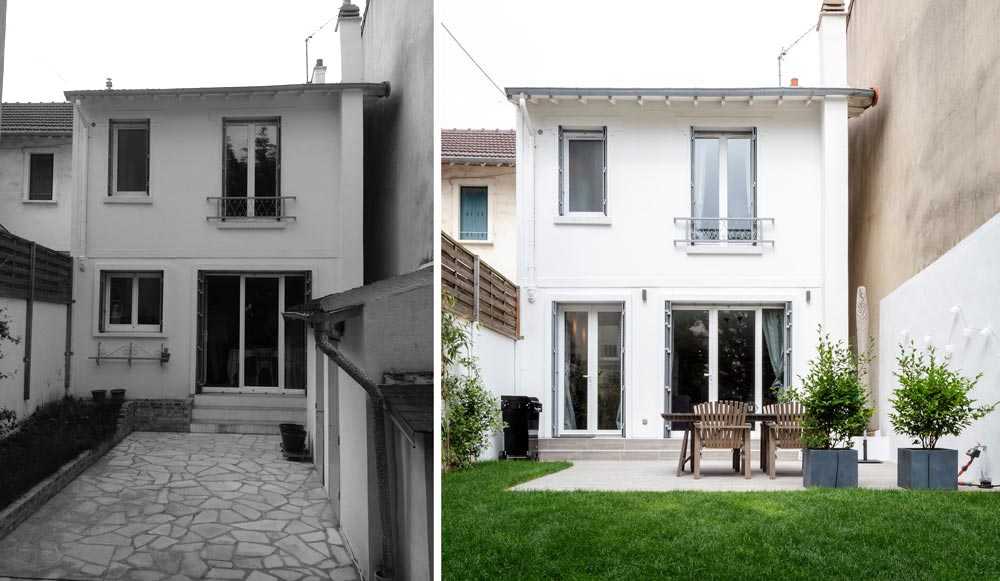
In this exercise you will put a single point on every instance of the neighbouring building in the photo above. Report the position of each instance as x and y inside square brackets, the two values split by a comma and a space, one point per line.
[478, 201]
[925, 192]
[36, 182]
[678, 246]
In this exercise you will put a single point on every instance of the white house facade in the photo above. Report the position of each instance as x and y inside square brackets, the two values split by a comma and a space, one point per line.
[679, 245]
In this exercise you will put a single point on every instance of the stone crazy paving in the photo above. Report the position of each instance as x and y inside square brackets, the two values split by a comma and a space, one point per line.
[185, 506]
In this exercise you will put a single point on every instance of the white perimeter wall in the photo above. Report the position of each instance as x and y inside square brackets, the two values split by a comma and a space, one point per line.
[498, 367]
[47, 364]
[967, 276]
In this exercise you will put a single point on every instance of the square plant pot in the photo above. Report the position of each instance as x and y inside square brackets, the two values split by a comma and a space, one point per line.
[834, 468]
[920, 469]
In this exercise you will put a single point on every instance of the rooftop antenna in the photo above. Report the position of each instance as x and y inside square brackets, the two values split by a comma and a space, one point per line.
[308, 38]
[784, 51]
[107, 83]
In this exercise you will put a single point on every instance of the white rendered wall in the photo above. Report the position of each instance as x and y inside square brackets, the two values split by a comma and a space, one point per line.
[497, 358]
[967, 276]
[47, 362]
[649, 172]
[500, 247]
[45, 222]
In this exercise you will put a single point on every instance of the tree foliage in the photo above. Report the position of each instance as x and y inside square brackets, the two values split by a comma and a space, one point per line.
[5, 336]
[932, 399]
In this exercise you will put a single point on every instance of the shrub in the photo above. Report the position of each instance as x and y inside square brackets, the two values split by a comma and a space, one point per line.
[5, 335]
[8, 421]
[932, 399]
[470, 413]
[832, 396]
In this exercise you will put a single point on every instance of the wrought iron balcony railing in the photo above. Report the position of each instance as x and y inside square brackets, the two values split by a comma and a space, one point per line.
[241, 208]
[714, 230]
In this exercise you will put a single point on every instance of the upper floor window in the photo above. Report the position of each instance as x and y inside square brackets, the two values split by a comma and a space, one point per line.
[132, 301]
[129, 158]
[723, 185]
[473, 213]
[40, 176]
[583, 172]
[250, 168]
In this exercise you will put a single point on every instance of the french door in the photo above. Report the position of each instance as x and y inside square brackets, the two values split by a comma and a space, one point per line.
[736, 353]
[244, 342]
[590, 346]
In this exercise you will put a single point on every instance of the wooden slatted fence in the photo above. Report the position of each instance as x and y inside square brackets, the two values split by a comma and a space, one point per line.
[480, 293]
[31, 271]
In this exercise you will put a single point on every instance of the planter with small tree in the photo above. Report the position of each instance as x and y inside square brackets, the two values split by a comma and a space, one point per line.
[834, 410]
[932, 401]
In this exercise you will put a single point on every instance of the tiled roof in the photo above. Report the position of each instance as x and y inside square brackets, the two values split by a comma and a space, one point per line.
[36, 118]
[492, 146]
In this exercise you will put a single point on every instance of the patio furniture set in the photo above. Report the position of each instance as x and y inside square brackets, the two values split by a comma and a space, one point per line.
[726, 425]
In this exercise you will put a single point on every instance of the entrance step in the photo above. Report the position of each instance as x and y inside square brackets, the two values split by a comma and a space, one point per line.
[246, 413]
[634, 449]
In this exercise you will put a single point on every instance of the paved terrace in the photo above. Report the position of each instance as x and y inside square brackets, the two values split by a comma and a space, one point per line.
[716, 475]
[184, 506]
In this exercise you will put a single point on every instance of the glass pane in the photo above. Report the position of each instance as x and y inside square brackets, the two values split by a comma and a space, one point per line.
[739, 188]
[575, 371]
[586, 175]
[235, 169]
[736, 355]
[261, 332]
[120, 300]
[150, 300]
[609, 371]
[132, 156]
[222, 331]
[295, 335]
[473, 213]
[266, 169]
[705, 206]
[40, 176]
[689, 377]
[773, 364]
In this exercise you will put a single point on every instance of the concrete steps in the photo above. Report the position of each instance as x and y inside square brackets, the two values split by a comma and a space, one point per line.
[246, 413]
[634, 449]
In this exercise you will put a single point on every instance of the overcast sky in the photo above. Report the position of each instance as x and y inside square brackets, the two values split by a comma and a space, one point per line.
[664, 43]
[55, 45]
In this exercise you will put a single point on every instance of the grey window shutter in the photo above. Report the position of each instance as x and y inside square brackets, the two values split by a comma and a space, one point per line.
[621, 369]
[788, 344]
[562, 171]
[200, 350]
[604, 132]
[668, 360]
[555, 370]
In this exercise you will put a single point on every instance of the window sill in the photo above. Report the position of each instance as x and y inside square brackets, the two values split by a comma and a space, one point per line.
[585, 220]
[40, 202]
[130, 335]
[466, 242]
[243, 224]
[140, 200]
[751, 249]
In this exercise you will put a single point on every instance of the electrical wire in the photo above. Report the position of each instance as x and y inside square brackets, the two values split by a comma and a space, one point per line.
[480, 67]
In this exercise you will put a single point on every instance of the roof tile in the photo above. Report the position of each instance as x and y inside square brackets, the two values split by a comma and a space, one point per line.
[493, 146]
[36, 119]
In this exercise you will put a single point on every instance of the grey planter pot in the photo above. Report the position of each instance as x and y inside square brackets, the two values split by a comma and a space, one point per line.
[922, 469]
[835, 468]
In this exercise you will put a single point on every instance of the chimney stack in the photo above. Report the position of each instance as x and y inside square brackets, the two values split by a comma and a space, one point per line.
[795, 82]
[351, 56]
[319, 73]
[832, 28]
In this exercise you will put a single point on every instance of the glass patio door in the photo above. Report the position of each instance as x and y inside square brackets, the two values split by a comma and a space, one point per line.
[591, 364]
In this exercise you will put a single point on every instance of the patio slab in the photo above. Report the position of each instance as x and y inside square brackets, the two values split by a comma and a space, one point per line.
[184, 506]
[716, 475]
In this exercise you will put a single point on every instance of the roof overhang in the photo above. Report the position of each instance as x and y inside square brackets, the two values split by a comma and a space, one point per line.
[480, 161]
[857, 99]
[369, 89]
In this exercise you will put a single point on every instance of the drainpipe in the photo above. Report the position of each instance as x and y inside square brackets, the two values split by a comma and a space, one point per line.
[327, 340]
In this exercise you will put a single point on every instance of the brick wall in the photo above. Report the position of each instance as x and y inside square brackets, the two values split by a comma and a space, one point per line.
[160, 415]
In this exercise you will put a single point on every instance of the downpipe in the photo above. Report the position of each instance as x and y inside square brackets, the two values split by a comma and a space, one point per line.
[328, 344]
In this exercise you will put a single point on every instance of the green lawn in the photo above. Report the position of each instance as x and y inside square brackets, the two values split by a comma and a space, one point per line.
[489, 532]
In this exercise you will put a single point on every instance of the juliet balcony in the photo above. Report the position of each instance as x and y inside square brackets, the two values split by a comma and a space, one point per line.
[260, 211]
[718, 232]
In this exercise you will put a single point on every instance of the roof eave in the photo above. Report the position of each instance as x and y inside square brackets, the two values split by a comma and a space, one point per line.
[369, 89]
[471, 160]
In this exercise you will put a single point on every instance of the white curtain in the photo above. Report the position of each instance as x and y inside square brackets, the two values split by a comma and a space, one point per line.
[775, 338]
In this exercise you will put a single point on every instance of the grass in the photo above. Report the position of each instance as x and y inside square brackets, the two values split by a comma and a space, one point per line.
[489, 532]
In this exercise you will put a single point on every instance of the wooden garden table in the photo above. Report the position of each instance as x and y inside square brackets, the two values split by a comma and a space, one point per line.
[687, 443]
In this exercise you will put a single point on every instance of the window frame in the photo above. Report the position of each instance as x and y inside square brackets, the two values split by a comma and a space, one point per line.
[251, 162]
[566, 135]
[26, 194]
[489, 207]
[105, 325]
[723, 135]
[114, 125]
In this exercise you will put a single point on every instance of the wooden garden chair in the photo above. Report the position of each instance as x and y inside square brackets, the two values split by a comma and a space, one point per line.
[722, 425]
[784, 432]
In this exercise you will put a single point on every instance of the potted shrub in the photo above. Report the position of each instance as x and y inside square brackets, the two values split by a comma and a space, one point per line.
[932, 401]
[834, 409]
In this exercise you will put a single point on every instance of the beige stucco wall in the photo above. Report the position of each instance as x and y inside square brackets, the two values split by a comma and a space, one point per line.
[45, 222]
[500, 250]
[924, 168]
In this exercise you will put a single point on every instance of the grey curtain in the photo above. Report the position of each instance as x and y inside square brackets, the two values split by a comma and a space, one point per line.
[774, 336]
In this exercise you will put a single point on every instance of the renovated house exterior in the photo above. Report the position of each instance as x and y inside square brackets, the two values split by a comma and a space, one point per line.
[36, 168]
[924, 194]
[678, 246]
[478, 201]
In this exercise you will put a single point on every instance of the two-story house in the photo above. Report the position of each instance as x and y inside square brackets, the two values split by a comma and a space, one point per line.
[678, 246]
